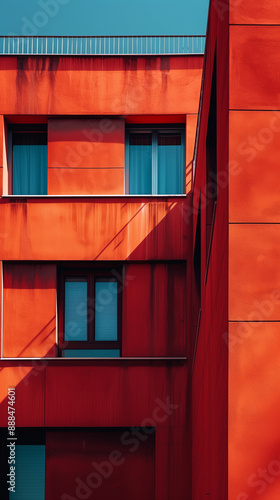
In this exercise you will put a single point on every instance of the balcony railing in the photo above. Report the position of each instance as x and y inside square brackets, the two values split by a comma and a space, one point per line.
[101, 45]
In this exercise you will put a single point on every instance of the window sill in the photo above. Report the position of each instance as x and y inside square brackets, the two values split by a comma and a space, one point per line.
[65, 360]
[24, 196]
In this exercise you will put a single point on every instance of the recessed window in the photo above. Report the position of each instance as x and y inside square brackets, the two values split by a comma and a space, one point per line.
[91, 313]
[25, 462]
[30, 472]
[29, 160]
[155, 161]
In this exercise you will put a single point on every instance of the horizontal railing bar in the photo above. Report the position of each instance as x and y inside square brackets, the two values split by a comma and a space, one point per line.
[91, 358]
[103, 36]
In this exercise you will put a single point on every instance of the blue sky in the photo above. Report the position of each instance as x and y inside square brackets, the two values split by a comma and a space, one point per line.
[109, 17]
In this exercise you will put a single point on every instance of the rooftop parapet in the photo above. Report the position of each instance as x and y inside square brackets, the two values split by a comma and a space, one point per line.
[102, 45]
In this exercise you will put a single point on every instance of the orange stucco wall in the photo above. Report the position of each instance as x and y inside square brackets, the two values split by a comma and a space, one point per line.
[29, 323]
[263, 13]
[86, 156]
[100, 85]
[94, 229]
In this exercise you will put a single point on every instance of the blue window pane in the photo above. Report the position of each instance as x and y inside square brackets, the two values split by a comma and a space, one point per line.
[91, 353]
[30, 473]
[75, 327]
[140, 163]
[170, 167]
[30, 163]
[106, 310]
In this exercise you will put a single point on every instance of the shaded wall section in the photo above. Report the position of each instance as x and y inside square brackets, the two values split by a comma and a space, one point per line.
[109, 229]
[154, 309]
[210, 274]
[115, 468]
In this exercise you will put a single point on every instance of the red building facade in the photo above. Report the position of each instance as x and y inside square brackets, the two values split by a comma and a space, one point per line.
[140, 295]
[95, 273]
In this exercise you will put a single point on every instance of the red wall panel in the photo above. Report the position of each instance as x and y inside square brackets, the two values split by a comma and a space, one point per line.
[86, 156]
[125, 392]
[173, 220]
[254, 273]
[29, 310]
[110, 85]
[154, 310]
[29, 383]
[254, 147]
[254, 411]
[85, 142]
[254, 85]
[88, 181]
[250, 12]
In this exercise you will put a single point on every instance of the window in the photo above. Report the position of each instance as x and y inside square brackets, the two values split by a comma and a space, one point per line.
[91, 318]
[25, 459]
[29, 159]
[155, 161]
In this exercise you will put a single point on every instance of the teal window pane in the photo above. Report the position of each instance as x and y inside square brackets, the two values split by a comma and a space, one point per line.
[75, 314]
[170, 167]
[30, 164]
[106, 310]
[140, 163]
[30, 473]
[91, 353]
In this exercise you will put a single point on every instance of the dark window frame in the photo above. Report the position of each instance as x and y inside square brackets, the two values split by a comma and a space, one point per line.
[92, 275]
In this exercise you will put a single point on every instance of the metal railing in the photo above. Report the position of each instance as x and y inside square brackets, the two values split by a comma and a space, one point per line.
[102, 45]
